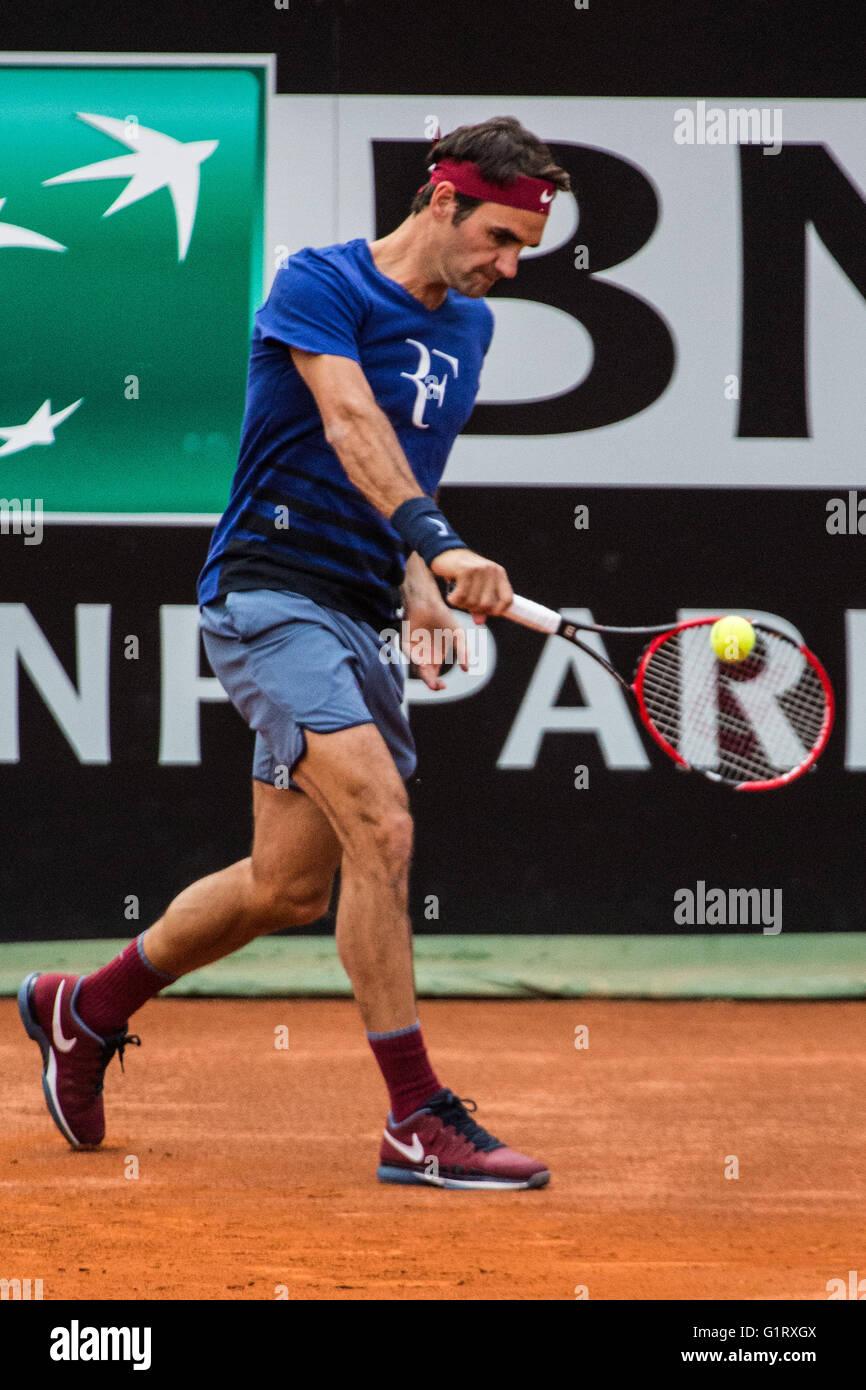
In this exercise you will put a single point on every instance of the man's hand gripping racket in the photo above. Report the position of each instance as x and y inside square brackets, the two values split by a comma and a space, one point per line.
[753, 724]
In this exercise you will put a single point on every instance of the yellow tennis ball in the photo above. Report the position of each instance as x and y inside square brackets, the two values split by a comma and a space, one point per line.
[732, 638]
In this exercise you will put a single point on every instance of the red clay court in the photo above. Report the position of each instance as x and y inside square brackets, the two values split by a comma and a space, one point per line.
[257, 1164]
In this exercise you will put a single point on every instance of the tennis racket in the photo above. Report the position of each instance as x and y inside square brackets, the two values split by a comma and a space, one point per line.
[753, 725]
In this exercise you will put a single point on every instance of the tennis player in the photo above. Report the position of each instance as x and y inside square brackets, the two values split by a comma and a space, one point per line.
[364, 368]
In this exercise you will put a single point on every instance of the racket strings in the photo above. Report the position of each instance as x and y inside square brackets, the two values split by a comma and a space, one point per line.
[746, 722]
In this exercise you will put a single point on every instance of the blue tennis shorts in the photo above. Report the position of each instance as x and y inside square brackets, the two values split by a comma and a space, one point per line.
[287, 664]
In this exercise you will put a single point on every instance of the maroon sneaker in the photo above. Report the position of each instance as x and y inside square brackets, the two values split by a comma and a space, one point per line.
[74, 1058]
[442, 1145]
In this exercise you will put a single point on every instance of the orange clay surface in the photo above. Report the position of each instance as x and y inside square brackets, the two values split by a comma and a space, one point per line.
[256, 1164]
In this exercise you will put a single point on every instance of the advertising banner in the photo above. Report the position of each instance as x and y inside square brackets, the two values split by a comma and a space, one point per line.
[669, 423]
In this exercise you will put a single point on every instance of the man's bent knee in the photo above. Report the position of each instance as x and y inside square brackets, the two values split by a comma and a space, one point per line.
[279, 906]
[385, 842]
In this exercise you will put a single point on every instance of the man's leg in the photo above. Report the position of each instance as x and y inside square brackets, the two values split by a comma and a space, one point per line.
[351, 776]
[430, 1136]
[80, 1023]
[286, 882]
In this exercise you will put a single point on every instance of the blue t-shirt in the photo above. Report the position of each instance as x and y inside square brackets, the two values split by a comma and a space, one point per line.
[294, 521]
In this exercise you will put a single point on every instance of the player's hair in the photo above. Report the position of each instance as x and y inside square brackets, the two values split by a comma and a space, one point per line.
[502, 148]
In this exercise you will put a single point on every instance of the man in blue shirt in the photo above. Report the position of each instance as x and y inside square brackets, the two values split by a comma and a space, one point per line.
[364, 367]
[421, 367]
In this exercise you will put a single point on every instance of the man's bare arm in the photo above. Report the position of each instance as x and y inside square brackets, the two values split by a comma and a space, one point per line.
[364, 440]
[426, 611]
[420, 589]
[357, 429]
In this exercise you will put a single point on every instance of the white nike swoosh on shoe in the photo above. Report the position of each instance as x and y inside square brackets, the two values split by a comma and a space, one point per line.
[51, 1082]
[62, 1044]
[414, 1151]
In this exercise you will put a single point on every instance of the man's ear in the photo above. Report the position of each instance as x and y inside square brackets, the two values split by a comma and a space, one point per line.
[443, 203]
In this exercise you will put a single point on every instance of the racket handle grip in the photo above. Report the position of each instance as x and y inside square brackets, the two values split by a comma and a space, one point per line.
[523, 610]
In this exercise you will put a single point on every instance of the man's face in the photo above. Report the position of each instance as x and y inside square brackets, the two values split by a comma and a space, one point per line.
[485, 246]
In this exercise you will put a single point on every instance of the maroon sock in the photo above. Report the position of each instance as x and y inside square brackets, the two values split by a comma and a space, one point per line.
[107, 998]
[404, 1063]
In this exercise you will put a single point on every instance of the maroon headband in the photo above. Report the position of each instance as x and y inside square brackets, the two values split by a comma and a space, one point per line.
[534, 195]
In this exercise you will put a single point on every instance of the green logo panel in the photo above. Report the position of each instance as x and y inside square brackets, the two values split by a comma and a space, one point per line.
[131, 227]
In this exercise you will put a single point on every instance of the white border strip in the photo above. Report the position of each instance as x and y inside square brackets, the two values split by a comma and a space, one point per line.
[127, 518]
[130, 60]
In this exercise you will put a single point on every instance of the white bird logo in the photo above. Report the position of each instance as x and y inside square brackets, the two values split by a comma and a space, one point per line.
[39, 429]
[11, 235]
[159, 161]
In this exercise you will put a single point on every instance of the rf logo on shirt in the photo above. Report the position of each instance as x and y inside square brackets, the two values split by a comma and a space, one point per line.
[428, 387]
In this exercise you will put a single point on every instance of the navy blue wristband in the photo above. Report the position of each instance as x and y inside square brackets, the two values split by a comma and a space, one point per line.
[424, 528]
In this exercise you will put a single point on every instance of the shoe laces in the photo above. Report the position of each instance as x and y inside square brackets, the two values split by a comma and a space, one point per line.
[451, 1110]
[116, 1042]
